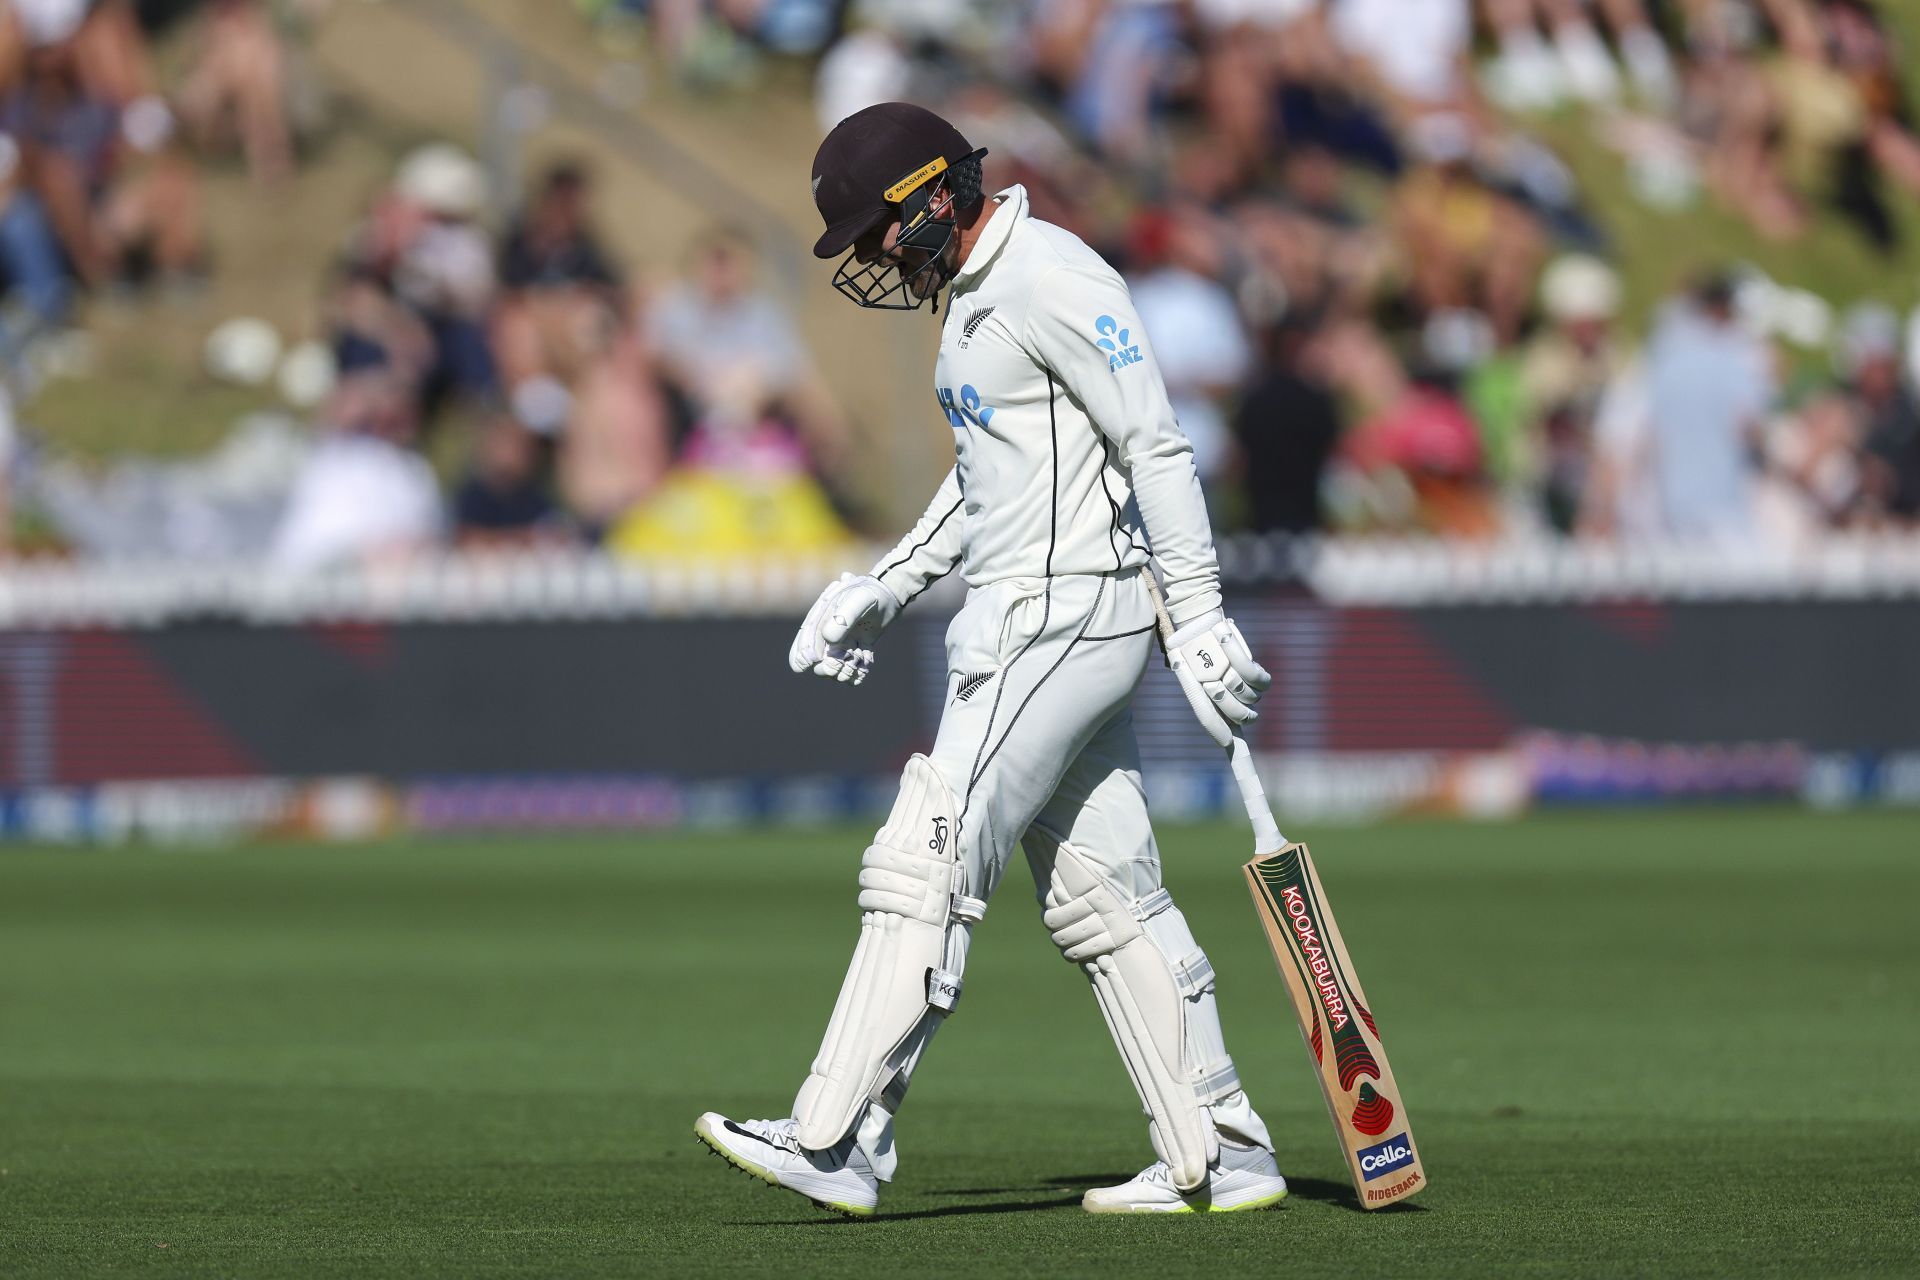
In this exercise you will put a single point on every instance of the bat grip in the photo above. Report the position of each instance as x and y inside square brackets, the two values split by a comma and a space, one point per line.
[1266, 832]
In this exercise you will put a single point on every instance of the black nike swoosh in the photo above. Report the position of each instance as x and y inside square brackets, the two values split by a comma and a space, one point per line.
[731, 1127]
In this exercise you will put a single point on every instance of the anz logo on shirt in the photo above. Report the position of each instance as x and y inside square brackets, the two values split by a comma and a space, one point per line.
[967, 410]
[1114, 341]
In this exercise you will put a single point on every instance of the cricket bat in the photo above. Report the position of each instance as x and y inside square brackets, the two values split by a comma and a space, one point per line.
[1337, 1024]
[1343, 1041]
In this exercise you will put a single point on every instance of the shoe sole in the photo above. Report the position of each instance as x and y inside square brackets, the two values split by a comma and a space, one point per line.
[756, 1172]
[1260, 1202]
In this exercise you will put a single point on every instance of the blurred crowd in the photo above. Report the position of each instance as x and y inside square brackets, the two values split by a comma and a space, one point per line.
[499, 387]
[99, 187]
[652, 415]
[100, 160]
[1376, 292]
[485, 371]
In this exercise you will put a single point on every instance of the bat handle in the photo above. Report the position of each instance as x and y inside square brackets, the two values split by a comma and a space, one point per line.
[1266, 832]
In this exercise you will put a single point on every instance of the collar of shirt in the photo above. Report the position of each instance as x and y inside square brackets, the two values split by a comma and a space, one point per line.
[1000, 227]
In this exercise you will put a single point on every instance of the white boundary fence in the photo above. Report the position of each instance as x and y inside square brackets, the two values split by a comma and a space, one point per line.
[560, 585]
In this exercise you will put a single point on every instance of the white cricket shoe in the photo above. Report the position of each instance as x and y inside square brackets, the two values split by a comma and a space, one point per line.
[1242, 1178]
[770, 1150]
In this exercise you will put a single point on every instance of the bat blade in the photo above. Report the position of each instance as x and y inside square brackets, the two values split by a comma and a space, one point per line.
[1343, 1042]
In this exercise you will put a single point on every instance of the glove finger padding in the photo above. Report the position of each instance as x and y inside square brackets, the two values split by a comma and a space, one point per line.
[1237, 690]
[1231, 708]
[846, 666]
[1240, 658]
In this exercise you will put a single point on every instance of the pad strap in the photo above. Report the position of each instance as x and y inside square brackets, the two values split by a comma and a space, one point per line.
[1216, 1082]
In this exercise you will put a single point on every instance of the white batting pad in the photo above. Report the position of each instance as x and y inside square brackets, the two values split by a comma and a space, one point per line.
[905, 975]
[1155, 989]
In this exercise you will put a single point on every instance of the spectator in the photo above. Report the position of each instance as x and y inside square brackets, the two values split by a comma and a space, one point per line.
[1795, 100]
[618, 444]
[238, 87]
[1244, 45]
[503, 500]
[1119, 64]
[1843, 110]
[553, 245]
[1861, 49]
[717, 329]
[866, 66]
[1287, 427]
[30, 258]
[716, 319]
[1468, 246]
[1708, 384]
[100, 173]
[363, 496]
[1813, 480]
[1870, 364]
[1198, 338]
[100, 40]
[558, 284]
[1735, 120]
[1328, 100]
[1564, 375]
[424, 242]
[369, 328]
[1415, 448]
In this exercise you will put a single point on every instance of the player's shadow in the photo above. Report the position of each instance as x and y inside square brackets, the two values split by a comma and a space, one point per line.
[1082, 1181]
[940, 1211]
[1327, 1191]
[1031, 1204]
[1322, 1190]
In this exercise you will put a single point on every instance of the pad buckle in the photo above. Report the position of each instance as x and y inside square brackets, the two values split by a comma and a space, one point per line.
[1145, 909]
[1222, 1081]
[1193, 975]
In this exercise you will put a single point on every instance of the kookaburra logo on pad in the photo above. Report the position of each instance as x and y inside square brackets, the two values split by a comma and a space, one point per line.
[938, 843]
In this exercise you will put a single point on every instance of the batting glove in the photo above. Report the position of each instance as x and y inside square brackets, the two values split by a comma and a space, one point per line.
[836, 640]
[1218, 674]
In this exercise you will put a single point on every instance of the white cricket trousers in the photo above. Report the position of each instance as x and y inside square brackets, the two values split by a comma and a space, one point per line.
[1038, 732]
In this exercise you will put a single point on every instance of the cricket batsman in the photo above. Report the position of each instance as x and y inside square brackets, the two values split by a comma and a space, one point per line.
[1070, 472]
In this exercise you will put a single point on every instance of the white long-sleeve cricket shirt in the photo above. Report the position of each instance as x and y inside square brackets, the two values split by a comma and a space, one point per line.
[1067, 455]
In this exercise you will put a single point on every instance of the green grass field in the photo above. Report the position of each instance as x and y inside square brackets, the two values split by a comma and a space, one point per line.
[1680, 1045]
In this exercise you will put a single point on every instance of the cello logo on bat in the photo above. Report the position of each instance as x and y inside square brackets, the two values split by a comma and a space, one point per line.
[1377, 1162]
